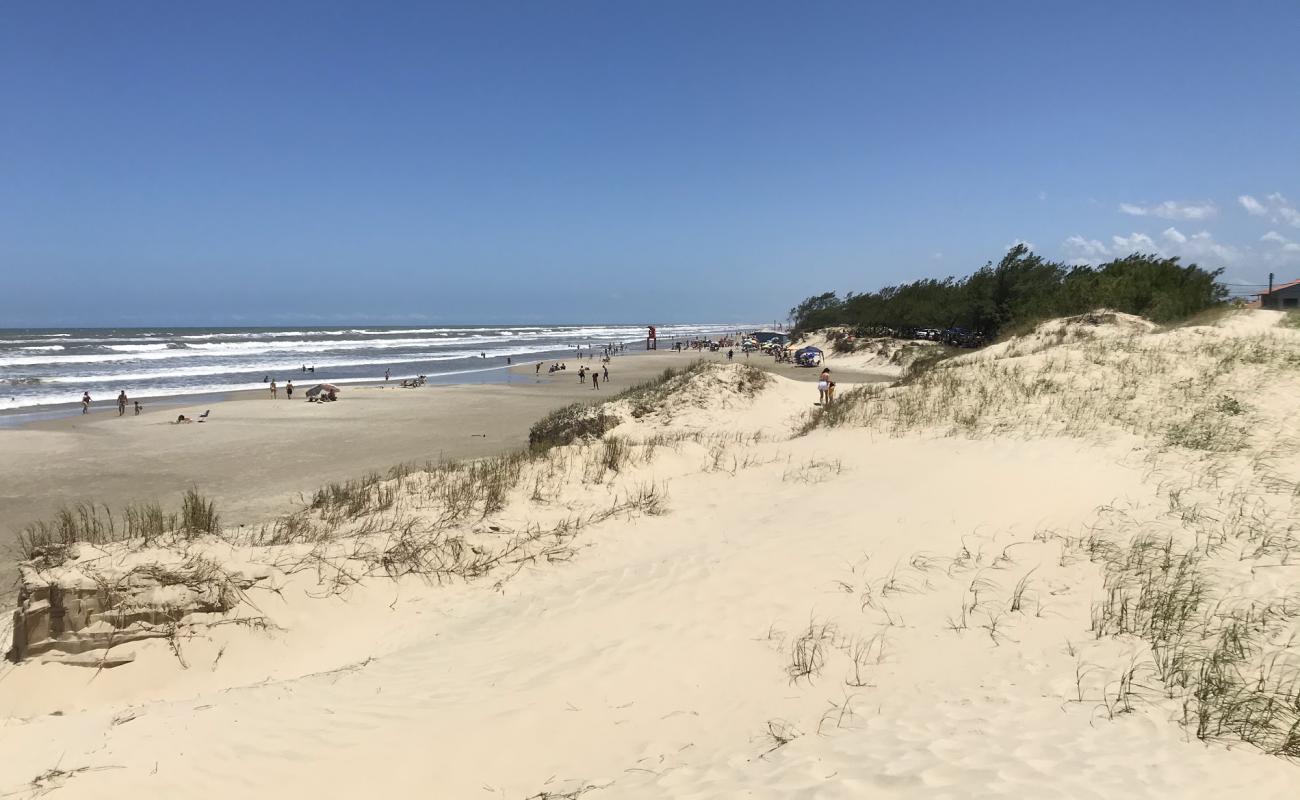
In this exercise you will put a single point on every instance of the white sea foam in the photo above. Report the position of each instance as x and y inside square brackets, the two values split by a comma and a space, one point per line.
[166, 390]
[291, 368]
[35, 371]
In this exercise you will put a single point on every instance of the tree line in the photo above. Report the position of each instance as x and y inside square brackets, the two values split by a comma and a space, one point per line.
[1020, 290]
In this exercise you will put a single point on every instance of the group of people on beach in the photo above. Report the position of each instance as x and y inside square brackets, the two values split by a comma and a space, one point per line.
[275, 389]
[595, 375]
[122, 403]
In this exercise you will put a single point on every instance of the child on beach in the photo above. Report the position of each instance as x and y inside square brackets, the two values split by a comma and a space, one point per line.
[138, 408]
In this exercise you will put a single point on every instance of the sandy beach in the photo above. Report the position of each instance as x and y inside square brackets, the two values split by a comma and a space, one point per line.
[256, 456]
[932, 590]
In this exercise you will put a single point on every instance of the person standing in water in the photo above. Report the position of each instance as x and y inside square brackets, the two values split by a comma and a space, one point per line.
[121, 403]
[386, 373]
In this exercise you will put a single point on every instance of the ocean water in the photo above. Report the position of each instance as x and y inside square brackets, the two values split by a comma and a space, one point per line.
[48, 367]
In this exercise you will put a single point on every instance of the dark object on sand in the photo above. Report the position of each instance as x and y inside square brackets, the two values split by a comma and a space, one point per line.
[323, 392]
[808, 357]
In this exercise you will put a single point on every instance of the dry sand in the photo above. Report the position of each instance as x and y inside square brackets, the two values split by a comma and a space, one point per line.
[255, 456]
[902, 606]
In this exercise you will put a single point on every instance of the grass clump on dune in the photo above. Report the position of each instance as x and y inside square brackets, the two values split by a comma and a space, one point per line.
[95, 523]
[568, 425]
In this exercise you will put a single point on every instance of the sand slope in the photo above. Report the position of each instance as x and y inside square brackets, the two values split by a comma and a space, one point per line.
[833, 615]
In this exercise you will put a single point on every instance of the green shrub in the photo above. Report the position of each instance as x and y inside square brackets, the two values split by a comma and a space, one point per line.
[567, 425]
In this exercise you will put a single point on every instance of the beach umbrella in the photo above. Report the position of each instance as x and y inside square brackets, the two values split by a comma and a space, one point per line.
[323, 387]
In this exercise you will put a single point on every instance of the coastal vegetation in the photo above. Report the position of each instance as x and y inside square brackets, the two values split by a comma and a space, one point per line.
[1019, 291]
[1222, 653]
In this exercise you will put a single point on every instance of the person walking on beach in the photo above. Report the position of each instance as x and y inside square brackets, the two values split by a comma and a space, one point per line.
[274, 392]
[288, 390]
[138, 408]
[595, 380]
[121, 403]
[823, 386]
[730, 353]
[605, 369]
[538, 371]
[85, 402]
[582, 374]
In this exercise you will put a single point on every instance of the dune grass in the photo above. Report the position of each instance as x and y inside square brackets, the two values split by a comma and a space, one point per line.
[1206, 591]
[96, 524]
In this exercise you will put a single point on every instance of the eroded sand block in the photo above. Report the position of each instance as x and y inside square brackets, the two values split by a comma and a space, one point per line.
[76, 598]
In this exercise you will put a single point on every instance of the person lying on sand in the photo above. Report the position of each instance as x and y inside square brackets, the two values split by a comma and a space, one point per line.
[182, 418]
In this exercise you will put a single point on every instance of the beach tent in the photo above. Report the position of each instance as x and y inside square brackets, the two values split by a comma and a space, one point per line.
[808, 356]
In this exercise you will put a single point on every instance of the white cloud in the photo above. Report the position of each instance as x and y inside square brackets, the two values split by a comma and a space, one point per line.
[1284, 210]
[1084, 251]
[1203, 246]
[1171, 209]
[1275, 206]
[1285, 244]
[1136, 243]
[1252, 205]
[1199, 247]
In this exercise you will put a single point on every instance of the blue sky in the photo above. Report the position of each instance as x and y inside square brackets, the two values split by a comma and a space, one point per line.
[325, 162]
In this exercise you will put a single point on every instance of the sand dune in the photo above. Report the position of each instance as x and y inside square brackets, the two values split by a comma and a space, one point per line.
[932, 590]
